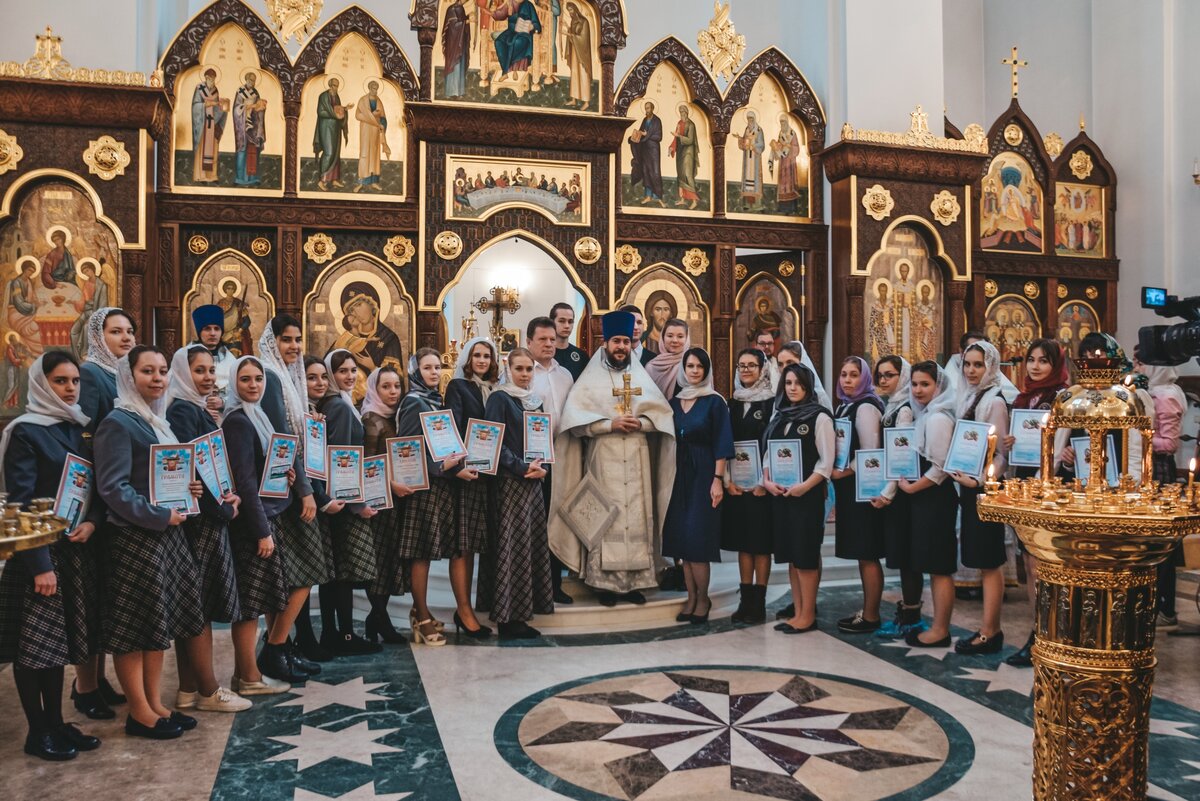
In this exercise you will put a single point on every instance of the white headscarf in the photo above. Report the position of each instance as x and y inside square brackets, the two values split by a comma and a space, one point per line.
[989, 384]
[42, 408]
[460, 366]
[903, 393]
[153, 413]
[1008, 390]
[761, 389]
[807, 361]
[333, 387]
[291, 377]
[690, 391]
[943, 402]
[372, 402]
[254, 411]
[1162, 383]
[98, 352]
[180, 384]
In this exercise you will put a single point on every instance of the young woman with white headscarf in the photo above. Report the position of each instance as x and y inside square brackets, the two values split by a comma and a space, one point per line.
[794, 352]
[934, 503]
[981, 399]
[49, 596]
[152, 594]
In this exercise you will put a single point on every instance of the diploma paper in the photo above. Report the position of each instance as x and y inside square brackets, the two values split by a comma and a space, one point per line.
[745, 471]
[345, 464]
[216, 443]
[315, 465]
[377, 483]
[841, 430]
[869, 480]
[281, 457]
[484, 439]
[1083, 455]
[785, 461]
[406, 458]
[441, 435]
[968, 448]
[172, 469]
[539, 437]
[1026, 426]
[74, 491]
[900, 457]
[205, 466]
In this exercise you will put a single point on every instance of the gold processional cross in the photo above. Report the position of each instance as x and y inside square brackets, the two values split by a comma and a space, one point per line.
[503, 300]
[626, 394]
[1016, 64]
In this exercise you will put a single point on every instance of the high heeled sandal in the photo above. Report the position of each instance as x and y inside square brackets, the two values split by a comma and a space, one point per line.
[412, 620]
[421, 638]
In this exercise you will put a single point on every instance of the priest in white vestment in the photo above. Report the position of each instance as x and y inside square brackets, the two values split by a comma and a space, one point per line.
[614, 470]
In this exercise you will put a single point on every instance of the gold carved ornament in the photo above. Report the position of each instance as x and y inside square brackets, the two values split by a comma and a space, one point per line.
[786, 268]
[739, 272]
[198, 244]
[261, 246]
[918, 135]
[295, 18]
[1080, 164]
[990, 288]
[320, 248]
[399, 251]
[1062, 291]
[1013, 134]
[1054, 144]
[47, 64]
[588, 250]
[448, 245]
[945, 207]
[721, 47]
[628, 259]
[10, 152]
[878, 202]
[1032, 290]
[695, 261]
[1092, 292]
[106, 157]
[24, 528]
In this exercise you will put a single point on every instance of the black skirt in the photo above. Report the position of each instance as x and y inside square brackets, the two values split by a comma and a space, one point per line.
[982, 542]
[798, 526]
[261, 586]
[305, 549]
[37, 631]
[746, 524]
[208, 537]
[859, 529]
[896, 519]
[514, 573]
[934, 543]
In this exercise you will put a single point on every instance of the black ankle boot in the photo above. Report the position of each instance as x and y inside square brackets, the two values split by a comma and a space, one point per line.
[111, 696]
[299, 662]
[745, 602]
[273, 661]
[758, 609]
[1023, 657]
[92, 704]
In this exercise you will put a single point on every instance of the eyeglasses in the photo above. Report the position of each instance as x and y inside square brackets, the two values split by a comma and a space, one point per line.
[888, 376]
[747, 366]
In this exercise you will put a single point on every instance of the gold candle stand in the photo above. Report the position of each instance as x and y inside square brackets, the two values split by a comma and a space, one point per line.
[22, 530]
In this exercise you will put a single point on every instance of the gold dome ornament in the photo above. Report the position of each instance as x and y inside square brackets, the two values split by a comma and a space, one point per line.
[739, 272]
[448, 245]
[198, 244]
[786, 268]
[878, 202]
[1013, 134]
[990, 288]
[1032, 290]
[106, 157]
[1054, 144]
[628, 259]
[1062, 291]
[261, 246]
[945, 207]
[399, 251]
[588, 250]
[10, 152]
[320, 248]
[695, 262]
[1091, 293]
[1080, 164]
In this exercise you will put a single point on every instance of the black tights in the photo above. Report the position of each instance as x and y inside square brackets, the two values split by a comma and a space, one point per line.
[337, 608]
[379, 604]
[41, 692]
[912, 585]
[304, 628]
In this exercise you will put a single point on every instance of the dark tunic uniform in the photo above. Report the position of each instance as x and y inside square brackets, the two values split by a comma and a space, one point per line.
[427, 526]
[465, 399]
[858, 534]
[352, 537]
[798, 524]
[746, 518]
[896, 517]
[390, 577]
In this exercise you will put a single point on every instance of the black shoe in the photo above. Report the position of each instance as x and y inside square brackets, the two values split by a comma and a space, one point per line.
[273, 661]
[92, 704]
[606, 598]
[968, 593]
[353, 645]
[163, 729]
[786, 613]
[788, 628]
[986, 645]
[379, 627]
[913, 640]
[1024, 657]
[857, 624]
[758, 611]
[312, 650]
[184, 722]
[683, 617]
[82, 742]
[299, 662]
[111, 696]
[745, 601]
[518, 630]
[560, 597]
[634, 597]
[481, 633]
[49, 747]
[699, 620]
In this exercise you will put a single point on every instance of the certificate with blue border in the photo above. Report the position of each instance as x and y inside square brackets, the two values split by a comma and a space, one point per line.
[841, 430]
[786, 462]
[968, 448]
[869, 479]
[1025, 425]
[172, 470]
[900, 457]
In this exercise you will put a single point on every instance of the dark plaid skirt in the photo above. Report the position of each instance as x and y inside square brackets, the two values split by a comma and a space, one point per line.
[428, 527]
[1165, 471]
[515, 580]
[353, 547]
[305, 549]
[48, 632]
[152, 596]
[471, 505]
[260, 583]
[392, 577]
[209, 538]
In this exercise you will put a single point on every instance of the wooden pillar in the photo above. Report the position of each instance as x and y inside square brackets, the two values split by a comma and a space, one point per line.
[852, 304]
[291, 115]
[957, 292]
[608, 58]
[166, 291]
[290, 270]
[426, 37]
[721, 348]
[815, 302]
[133, 263]
[429, 331]
[718, 181]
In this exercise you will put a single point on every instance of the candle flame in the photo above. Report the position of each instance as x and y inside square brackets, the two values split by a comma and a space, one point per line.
[991, 472]
[991, 430]
[1192, 465]
[1045, 419]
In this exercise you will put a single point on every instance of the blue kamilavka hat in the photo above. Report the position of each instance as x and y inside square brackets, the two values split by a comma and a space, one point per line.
[617, 324]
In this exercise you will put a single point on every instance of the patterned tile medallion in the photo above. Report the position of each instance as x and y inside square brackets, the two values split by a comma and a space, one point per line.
[701, 733]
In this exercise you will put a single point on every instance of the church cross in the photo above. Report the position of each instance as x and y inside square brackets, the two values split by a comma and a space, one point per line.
[503, 300]
[1016, 64]
[626, 394]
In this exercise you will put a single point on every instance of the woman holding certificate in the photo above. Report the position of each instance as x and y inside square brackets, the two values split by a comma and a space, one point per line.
[474, 379]
[349, 520]
[980, 401]
[746, 511]
[704, 446]
[859, 535]
[427, 524]
[934, 503]
[152, 595]
[49, 599]
[515, 581]
[192, 379]
[799, 446]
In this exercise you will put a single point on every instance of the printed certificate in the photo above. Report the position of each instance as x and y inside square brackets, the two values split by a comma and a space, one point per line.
[1026, 427]
[377, 483]
[205, 466]
[900, 457]
[74, 491]
[1083, 455]
[345, 482]
[841, 430]
[539, 437]
[172, 469]
[968, 448]
[216, 443]
[745, 469]
[315, 465]
[484, 439]
[785, 461]
[281, 457]
[869, 480]
[406, 459]
[441, 435]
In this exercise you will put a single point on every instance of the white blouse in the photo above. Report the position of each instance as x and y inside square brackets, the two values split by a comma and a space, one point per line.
[938, 433]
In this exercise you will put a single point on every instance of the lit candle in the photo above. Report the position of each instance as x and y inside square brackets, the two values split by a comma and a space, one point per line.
[991, 451]
[1147, 457]
[1191, 473]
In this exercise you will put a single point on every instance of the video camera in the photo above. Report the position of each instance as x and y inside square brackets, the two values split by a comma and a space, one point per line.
[1169, 344]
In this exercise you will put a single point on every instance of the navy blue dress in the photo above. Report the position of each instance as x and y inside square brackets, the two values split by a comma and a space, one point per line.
[692, 530]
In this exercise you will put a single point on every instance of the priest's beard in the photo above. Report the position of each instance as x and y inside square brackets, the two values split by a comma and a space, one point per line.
[617, 362]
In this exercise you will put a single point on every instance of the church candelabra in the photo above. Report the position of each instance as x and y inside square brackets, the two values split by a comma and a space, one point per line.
[23, 530]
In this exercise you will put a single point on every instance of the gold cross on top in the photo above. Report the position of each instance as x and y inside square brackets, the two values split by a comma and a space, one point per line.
[626, 394]
[1016, 64]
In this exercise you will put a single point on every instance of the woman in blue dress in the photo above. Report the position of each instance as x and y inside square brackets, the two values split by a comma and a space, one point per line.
[704, 444]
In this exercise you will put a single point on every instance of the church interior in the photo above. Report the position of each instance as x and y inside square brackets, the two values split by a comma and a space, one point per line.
[863, 177]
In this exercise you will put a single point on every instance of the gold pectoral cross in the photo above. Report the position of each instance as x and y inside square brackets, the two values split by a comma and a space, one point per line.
[626, 393]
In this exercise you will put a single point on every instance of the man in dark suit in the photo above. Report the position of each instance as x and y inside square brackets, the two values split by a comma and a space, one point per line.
[639, 328]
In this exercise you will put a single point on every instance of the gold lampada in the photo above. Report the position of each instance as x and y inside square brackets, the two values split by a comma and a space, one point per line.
[1097, 547]
[22, 530]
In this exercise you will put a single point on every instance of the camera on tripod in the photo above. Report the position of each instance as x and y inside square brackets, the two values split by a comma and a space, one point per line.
[1169, 345]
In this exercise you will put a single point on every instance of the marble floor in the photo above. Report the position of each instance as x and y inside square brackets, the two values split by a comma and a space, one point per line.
[686, 712]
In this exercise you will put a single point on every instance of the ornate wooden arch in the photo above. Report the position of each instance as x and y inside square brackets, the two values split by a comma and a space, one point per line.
[1103, 173]
[703, 90]
[1030, 148]
[689, 284]
[802, 100]
[327, 270]
[396, 66]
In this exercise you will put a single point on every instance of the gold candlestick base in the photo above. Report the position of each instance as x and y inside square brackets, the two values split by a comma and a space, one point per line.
[25, 530]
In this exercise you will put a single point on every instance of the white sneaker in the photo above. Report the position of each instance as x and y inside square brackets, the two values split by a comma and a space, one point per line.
[185, 700]
[1166, 622]
[222, 701]
[264, 686]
